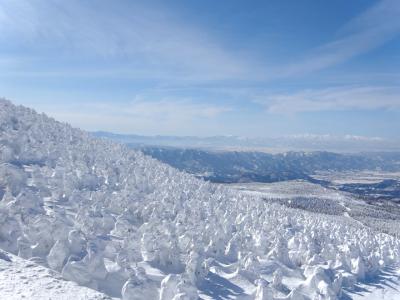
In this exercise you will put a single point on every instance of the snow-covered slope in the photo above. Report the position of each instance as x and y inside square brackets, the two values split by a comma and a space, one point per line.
[119, 222]
[21, 278]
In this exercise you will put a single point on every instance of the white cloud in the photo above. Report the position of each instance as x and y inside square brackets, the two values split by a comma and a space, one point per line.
[330, 137]
[331, 99]
[166, 116]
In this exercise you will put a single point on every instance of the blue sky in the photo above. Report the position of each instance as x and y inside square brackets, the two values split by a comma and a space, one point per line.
[250, 68]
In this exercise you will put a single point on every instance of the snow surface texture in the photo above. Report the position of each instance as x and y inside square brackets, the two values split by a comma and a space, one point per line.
[121, 223]
[21, 278]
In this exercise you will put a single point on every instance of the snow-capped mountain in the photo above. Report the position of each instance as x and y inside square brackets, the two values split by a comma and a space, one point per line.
[114, 220]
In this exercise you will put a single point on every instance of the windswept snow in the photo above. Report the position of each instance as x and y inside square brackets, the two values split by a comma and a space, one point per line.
[386, 286]
[121, 223]
[25, 279]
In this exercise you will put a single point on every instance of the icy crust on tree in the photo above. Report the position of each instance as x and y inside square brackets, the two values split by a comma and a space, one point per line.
[119, 222]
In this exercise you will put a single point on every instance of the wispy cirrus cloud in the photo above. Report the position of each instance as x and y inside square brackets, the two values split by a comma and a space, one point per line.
[332, 99]
[153, 43]
[367, 31]
[149, 40]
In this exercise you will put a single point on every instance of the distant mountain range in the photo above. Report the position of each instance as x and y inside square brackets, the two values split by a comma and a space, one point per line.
[305, 142]
[214, 164]
[239, 166]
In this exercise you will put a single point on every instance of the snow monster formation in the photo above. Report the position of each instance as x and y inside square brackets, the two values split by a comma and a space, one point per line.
[119, 222]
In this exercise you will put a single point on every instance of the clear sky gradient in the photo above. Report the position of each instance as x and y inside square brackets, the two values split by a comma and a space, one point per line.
[249, 68]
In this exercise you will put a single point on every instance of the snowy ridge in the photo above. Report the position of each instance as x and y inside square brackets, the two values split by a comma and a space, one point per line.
[119, 222]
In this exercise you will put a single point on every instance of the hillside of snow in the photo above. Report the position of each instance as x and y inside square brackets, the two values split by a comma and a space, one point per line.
[123, 224]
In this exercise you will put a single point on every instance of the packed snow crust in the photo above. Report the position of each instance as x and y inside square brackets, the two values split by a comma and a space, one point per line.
[25, 279]
[121, 223]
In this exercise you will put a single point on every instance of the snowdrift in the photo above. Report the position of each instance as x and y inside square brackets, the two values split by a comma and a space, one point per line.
[121, 223]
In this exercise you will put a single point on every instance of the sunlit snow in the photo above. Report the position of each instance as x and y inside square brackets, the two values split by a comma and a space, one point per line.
[116, 221]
